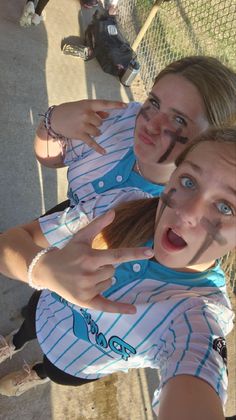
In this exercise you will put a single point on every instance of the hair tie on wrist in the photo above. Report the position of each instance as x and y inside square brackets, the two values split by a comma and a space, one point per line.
[31, 267]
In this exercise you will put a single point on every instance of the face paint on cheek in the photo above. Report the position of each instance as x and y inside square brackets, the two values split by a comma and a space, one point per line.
[174, 138]
[167, 201]
[213, 228]
[213, 234]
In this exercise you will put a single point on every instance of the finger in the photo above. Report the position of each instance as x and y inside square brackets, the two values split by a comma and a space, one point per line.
[106, 305]
[94, 276]
[88, 233]
[102, 114]
[101, 104]
[101, 274]
[121, 255]
[93, 144]
[92, 130]
[94, 118]
[104, 285]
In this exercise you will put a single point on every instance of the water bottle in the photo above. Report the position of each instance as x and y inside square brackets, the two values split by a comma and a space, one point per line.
[130, 73]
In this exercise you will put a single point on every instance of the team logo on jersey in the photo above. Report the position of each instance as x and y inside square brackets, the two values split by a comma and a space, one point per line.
[219, 345]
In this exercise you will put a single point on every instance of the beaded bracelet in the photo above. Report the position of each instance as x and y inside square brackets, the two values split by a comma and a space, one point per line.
[31, 267]
[48, 126]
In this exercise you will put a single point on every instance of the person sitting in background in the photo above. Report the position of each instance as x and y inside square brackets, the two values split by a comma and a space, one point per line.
[32, 15]
[110, 5]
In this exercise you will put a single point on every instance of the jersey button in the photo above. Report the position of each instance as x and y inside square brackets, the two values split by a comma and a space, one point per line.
[113, 280]
[119, 178]
[136, 268]
[101, 184]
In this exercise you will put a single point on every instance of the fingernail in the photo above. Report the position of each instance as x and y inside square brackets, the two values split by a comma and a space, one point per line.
[149, 252]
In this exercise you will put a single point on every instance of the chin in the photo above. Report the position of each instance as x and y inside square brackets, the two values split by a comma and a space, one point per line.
[169, 261]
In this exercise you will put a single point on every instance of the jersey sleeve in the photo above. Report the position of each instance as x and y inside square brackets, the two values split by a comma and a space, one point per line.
[77, 149]
[59, 227]
[195, 345]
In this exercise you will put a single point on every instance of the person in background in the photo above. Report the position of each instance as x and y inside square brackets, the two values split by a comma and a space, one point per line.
[109, 5]
[32, 15]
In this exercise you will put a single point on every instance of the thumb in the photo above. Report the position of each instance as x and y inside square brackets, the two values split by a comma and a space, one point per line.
[88, 233]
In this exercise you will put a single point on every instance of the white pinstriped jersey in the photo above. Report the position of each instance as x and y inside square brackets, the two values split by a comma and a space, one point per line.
[179, 326]
[90, 173]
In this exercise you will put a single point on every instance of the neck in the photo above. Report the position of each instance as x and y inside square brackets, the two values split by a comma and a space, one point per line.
[157, 173]
[198, 267]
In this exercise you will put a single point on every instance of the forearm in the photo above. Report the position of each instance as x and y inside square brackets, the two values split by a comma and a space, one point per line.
[47, 150]
[17, 249]
[186, 397]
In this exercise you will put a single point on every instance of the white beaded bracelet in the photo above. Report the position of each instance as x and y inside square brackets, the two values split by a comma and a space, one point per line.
[31, 267]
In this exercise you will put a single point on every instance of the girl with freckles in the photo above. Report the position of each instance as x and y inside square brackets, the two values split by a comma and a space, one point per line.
[181, 312]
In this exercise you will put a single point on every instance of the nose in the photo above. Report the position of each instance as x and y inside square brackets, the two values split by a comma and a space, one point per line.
[191, 211]
[158, 122]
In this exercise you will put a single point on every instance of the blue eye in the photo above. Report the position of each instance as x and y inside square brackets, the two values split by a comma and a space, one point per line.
[187, 182]
[224, 208]
[180, 120]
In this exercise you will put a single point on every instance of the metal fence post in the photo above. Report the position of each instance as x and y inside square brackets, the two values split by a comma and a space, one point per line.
[147, 23]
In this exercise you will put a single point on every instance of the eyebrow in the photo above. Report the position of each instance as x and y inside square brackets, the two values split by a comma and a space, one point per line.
[194, 166]
[230, 189]
[177, 111]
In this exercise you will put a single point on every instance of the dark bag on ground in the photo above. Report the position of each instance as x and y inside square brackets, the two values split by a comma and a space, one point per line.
[109, 47]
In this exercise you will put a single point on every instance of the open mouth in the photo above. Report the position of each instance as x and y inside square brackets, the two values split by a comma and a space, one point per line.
[172, 241]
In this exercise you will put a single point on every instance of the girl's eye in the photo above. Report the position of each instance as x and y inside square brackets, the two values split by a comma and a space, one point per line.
[187, 182]
[224, 208]
[180, 120]
[154, 102]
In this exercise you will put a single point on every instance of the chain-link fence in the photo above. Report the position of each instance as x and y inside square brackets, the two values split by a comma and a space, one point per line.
[179, 28]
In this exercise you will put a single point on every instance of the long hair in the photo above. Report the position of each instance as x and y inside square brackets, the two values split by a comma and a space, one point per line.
[133, 225]
[215, 82]
[134, 221]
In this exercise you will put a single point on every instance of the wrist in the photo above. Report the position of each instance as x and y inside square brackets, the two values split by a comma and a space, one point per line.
[47, 120]
[33, 273]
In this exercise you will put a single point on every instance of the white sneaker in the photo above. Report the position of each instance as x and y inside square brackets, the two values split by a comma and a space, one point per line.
[36, 19]
[27, 14]
[7, 348]
[16, 383]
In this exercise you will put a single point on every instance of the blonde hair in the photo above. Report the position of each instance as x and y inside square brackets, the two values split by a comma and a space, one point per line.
[215, 82]
[134, 221]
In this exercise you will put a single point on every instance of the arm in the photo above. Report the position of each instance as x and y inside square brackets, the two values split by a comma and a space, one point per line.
[76, 272]
[76, 120]
[193, 367]
[186, 397]
[18, 246]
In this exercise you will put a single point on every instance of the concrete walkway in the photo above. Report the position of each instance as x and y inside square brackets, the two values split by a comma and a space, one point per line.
[35, 74]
